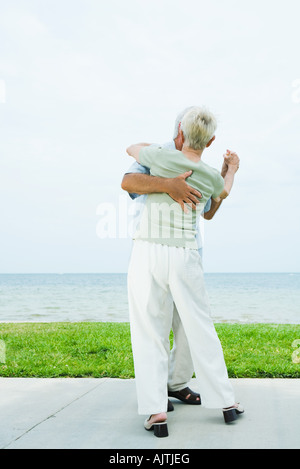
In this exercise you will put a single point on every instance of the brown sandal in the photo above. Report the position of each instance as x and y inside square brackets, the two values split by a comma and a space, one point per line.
[182, 396]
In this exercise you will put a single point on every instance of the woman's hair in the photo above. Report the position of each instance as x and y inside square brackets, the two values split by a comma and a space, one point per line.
[198, 126]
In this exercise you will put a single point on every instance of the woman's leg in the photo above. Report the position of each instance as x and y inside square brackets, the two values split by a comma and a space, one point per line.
[190, 296]
[150, 306]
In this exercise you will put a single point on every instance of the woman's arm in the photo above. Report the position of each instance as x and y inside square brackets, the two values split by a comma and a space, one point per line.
[134, 150]
[232, 161]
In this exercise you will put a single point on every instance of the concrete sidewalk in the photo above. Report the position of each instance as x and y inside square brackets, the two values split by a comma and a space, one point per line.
[102, 413]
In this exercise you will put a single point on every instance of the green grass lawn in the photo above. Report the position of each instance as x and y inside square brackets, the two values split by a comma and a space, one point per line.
[104, 350]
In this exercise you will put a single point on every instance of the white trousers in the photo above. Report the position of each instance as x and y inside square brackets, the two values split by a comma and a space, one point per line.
[157, 276]
[181, 368]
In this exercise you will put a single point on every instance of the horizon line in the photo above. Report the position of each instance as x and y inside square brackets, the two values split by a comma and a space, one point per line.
[117, 273]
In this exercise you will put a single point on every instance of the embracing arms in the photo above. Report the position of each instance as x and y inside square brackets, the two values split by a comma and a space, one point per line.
[177, 188]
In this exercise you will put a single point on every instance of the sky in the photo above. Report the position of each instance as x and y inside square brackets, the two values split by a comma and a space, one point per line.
[80, 80]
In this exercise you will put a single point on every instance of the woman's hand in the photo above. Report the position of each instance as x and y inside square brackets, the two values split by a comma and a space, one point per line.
[231, 160]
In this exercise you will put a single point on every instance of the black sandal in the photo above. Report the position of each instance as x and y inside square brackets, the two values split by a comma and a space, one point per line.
[160, 428]
[182, 396]
[231, 413]
[170, 406]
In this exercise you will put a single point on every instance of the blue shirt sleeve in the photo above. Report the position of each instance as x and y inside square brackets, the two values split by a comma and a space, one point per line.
[137, 168]
[207, 206]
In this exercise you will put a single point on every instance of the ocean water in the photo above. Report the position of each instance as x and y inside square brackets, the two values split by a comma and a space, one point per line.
[239, 298]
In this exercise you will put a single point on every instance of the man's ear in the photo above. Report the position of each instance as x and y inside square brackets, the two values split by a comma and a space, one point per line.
[210, 142]
[180, 133]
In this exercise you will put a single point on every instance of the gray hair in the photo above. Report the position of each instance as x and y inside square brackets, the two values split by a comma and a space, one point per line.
[198, 126]
[179, 119]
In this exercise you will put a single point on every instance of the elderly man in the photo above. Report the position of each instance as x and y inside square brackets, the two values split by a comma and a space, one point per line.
[165, 266]
[138, 181]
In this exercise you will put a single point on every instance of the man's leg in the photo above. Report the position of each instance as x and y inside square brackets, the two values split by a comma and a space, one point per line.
[150, 307]
[181, 367]
[189, 294]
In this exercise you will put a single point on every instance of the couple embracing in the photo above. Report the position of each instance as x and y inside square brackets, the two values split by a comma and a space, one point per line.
[166, 288]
